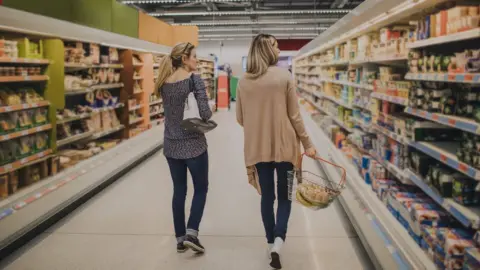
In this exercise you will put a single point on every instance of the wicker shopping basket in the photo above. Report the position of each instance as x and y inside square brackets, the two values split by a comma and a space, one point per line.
[314, 191]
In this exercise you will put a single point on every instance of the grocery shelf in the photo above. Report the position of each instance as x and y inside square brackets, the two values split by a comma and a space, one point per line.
[334, 63]
[13, 60]
[363, 126]
[137, 78]
[445, 153]
[74, 138]
[85, 66]
[362, 106]
[156, 113]
[134, 121]
[79, 91]
[341, 123]
[392, 99]
[136, 107]
[36, 78]
[26, 132]
[155, 102]
[378, 229]
[108, 108]
[107, 132]
[75, 118]
[468, 216]
[465, 124]
[390, 134]
[352, 84]
[383, 59]
[465, 35]
[25, 106]
[24, 162]
[394, 170]
[445, 77]
[339, 102]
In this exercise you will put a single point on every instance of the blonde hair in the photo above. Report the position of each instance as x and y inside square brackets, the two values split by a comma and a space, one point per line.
[261, 55]
[170, 63]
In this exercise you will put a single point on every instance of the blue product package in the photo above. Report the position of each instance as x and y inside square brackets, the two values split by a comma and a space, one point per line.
[365, 162]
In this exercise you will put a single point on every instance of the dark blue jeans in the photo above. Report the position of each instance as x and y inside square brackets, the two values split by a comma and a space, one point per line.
[267, 184]
[198, 168]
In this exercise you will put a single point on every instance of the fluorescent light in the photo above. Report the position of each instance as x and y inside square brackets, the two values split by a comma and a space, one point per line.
[251, 12]
[252, 35]
[241, 29]
[244, 22]
[180, 1]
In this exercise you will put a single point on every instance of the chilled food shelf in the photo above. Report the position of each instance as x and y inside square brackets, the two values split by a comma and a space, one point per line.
[397, 172]
[465, 124]
[79, 91]
[468, 216]
[107, 132]
[34, 78]
[24, 162]
[380, 229]
[352, 84]
[14, 60]
[26, 132]
[445, 77]
[20, 107]
[390, 134]
[445, 153]
[392, 99]
[74, 138]
[460, 36]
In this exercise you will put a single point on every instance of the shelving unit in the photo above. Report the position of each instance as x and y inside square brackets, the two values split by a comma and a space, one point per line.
[206, 69]
[410, 94]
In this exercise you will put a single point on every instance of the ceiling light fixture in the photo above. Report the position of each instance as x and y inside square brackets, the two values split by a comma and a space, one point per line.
[251, 12]
[241, 29]
[252, 35]
[130, 2]
[244, 22]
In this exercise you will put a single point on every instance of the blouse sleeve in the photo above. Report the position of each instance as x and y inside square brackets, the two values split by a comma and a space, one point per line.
[239, 107]
[295, 117]
[200, 93]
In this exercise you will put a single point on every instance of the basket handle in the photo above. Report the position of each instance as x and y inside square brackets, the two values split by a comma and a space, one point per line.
[344, 172]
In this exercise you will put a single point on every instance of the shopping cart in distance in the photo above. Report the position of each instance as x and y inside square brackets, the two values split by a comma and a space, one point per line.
[314, 191]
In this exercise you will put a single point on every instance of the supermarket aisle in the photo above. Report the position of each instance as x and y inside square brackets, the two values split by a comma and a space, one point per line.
[129, 226]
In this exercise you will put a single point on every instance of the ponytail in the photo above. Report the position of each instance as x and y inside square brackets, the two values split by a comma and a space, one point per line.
[165, 71]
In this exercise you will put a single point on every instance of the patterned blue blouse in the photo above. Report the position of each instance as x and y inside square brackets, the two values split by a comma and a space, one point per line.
[179, 143]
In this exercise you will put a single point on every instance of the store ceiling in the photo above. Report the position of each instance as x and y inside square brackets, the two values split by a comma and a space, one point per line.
[238, 19]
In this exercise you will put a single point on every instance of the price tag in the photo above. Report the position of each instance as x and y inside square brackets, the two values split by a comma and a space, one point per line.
[452, 122]
[423, 113]
[25, 106]
[26, 78]
[24, 133]
[462, 167]
[8, 108]
[435, 117]
[468, 77]
[23, 160]
[5, 137]
[451, 77]
[41, 154]
[443, 158]
[36, 60]
[38, 129]
[14, 59]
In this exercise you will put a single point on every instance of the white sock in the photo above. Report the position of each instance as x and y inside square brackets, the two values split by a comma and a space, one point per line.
[270, 246]
[277, 246]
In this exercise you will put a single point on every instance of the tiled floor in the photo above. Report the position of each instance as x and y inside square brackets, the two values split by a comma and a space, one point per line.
[129, 226]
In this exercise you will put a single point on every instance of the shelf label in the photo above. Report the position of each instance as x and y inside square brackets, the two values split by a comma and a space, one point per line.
[26, 106]
[462, 167]
[40, 155]
[468, 77]
[452, 122]
[5, 137]
[443, 158]
[8, 108]
[451, 77]
[23, 160]
[435, 117]
[25, 132]
[26, 78]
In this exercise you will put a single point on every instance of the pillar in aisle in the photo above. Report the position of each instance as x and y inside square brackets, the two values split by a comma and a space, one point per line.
[222, 92]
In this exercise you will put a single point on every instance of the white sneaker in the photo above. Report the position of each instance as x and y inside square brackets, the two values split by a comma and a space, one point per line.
[269, 251]
[275, 254]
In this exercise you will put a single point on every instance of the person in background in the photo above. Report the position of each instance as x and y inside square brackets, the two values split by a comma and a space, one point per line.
[184, 149]
[268, 110]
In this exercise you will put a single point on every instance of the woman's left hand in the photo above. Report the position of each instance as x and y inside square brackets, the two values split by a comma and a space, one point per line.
[311, 152]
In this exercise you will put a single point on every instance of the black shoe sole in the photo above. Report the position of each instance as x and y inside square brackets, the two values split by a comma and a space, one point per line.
[275, 263]
[194, 247]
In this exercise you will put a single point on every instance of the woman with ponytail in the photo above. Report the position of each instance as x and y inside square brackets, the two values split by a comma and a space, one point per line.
[184, 149]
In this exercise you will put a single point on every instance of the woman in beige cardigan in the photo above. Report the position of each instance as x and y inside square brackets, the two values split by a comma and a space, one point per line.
[268, 110]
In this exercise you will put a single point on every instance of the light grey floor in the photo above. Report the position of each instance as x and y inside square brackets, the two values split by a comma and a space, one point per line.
[129, 226]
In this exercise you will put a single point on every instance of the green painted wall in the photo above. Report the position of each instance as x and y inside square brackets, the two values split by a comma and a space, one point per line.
[93, 13]
[59, 9]
[124, 20]
[108, 15]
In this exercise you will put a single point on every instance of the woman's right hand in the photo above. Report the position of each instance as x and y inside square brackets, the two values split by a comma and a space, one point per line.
[311, 152]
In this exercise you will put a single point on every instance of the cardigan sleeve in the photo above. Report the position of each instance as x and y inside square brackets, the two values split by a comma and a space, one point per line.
[239, 107]
[295, 116]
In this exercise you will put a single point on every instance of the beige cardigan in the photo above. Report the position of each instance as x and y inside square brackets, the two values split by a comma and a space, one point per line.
[268, 110]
